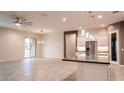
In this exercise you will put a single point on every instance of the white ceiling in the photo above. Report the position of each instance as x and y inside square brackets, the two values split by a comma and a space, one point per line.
[51, 21]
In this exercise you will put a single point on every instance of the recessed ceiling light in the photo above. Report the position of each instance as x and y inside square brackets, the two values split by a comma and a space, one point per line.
[41, 31]
[18, 24]
[63, 19]
[102, 25]
[100, 16]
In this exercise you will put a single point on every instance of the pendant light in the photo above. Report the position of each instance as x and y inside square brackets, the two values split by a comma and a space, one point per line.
[82, 32]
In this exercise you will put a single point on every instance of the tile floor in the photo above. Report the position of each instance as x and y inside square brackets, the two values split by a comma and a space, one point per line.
[117, 72]
[36, 70]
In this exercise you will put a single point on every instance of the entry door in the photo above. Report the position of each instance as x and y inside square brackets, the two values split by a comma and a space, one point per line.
[30, 45]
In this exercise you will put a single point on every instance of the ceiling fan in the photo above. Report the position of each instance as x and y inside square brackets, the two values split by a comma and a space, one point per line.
[21, 21]
[18, 21]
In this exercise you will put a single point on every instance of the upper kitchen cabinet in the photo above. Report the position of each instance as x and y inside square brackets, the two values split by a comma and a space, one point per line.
[116, 43]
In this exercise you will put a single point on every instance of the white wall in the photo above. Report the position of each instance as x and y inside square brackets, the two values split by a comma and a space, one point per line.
[53, 46]
[12, 44]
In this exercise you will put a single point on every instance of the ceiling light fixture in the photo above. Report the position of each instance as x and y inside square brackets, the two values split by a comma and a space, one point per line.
[18, 24]
[90, 36]
[87, 34]
[100, 17]
[82, 32]
[63, 19]
[42, 42]
[93, 38]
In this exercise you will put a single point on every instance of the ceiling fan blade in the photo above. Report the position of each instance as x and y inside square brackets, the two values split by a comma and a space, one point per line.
[2, 21]
[23, 25]
[23, 19]
[7, 22]
[6, 19]
[14, 17]
[27, 23]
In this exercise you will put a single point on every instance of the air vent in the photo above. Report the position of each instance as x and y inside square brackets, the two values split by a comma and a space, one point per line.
[90, 11]
[115, 12]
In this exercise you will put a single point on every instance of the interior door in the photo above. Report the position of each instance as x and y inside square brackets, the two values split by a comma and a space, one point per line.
[70, 44]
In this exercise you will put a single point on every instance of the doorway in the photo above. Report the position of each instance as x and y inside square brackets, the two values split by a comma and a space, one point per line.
[30, 47]
[114, 47]
[70, 43]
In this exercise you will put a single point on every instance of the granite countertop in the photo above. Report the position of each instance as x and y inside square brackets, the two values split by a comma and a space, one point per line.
[89, 59]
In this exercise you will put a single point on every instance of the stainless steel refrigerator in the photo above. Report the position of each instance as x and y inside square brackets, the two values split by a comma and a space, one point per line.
[91, 48]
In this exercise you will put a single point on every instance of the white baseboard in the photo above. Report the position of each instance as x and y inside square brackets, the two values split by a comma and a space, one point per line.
[47, 58]
[44, 58]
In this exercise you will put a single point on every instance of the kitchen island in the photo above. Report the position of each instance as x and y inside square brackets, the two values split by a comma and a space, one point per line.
[91, 68]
